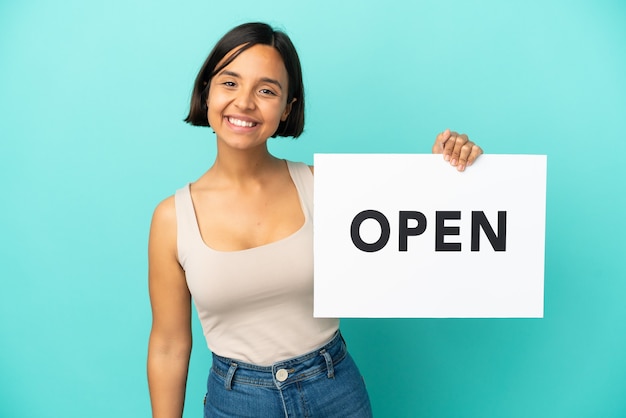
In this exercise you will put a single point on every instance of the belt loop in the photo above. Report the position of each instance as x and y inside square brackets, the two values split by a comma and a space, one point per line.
[228, 383]
[329, 363]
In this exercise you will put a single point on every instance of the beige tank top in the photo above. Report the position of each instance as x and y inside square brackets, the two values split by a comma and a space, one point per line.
[255, 305]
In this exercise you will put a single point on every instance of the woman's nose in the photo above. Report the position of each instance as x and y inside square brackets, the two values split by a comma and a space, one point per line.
[245, 99]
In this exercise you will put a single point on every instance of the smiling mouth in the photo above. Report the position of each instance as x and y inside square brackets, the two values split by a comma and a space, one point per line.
[242, 123]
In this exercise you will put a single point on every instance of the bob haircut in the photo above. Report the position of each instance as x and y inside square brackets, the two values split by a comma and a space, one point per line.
[246, 36]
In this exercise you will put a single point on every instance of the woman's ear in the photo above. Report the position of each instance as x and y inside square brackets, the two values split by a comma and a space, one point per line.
[287, 110]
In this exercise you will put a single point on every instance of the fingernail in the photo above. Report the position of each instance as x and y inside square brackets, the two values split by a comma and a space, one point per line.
[461, 168]
[453, 162]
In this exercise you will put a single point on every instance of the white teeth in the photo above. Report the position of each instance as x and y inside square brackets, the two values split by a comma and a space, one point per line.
[241, 123]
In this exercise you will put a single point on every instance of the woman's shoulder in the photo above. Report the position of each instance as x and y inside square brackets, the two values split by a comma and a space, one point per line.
[301, 164]
[165, 212]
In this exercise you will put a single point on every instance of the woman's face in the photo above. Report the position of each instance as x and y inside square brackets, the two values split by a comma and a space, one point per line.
[248, 98]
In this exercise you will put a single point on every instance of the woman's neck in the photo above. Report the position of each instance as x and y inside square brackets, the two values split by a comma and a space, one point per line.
[243, 166]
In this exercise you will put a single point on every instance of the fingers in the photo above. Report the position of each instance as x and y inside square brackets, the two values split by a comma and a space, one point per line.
[452, 147]
[474, 152]
[441, 139]
[458, 149]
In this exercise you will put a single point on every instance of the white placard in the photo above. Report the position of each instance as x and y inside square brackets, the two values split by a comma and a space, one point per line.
[460, 245]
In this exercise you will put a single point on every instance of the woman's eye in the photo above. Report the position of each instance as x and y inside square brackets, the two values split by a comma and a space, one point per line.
[267, 91]
[229, 83]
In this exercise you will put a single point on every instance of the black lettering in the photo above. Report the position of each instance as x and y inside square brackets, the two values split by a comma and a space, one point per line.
[441, 231]
[385, 231]
[479, 220]
[405, 231]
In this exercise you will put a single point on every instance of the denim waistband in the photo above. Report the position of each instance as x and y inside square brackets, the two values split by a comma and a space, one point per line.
[284, 372]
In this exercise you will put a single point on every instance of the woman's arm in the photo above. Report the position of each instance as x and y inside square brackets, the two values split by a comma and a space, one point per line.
[170, 338]
[456, 148]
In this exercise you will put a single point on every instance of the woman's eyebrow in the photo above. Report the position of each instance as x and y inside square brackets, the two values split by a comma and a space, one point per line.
[230, 73]
[263, 79]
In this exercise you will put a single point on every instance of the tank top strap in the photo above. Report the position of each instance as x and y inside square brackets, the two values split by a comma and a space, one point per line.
[187, 233]
[303, 179]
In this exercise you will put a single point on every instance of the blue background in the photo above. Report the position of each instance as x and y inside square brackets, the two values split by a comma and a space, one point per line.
[92, 95]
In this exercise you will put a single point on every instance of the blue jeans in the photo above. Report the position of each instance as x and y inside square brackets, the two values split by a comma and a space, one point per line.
[322, 383]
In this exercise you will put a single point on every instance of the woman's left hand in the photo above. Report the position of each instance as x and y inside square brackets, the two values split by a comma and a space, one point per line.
[457, 149]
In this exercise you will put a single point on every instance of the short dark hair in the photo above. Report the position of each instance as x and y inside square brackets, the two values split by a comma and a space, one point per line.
[246, 36]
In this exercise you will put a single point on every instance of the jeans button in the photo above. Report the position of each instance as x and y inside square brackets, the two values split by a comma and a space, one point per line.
[281, 375]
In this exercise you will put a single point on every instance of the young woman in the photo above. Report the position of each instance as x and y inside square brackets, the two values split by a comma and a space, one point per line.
[238, 241]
